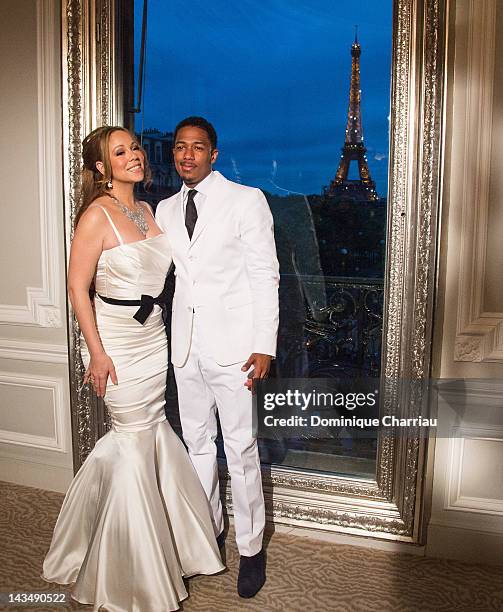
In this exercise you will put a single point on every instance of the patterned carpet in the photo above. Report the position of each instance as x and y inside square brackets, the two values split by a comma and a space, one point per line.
[303, 575]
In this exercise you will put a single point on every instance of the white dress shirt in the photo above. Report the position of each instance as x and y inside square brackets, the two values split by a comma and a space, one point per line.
[200, 197]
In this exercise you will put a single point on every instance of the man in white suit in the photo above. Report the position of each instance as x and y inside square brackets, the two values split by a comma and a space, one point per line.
[224, 328]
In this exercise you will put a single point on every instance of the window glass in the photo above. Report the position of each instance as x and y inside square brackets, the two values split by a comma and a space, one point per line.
[300, 100]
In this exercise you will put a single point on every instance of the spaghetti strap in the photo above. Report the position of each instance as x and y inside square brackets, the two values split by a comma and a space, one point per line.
[116, 231]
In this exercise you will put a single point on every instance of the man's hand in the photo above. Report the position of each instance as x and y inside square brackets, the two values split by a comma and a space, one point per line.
[261, 364]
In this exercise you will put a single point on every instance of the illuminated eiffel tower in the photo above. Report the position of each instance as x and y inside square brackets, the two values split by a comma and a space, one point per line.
[362, 189]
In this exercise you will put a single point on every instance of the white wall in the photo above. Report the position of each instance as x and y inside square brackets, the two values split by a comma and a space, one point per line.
[35, 432]
[467, 504]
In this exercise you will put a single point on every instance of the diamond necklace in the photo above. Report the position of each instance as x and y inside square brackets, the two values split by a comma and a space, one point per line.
[136, 216]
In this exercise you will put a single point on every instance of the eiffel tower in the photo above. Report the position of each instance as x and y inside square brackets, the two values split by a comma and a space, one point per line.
[362, 189]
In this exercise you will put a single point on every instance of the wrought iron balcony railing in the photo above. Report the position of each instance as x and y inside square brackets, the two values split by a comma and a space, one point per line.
[341, 331]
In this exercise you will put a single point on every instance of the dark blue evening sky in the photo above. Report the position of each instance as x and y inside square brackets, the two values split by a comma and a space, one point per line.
[273, 78]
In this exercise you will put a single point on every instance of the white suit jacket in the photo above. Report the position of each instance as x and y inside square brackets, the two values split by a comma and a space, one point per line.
[228, 274]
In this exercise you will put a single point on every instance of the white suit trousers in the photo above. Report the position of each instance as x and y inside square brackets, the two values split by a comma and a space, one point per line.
[203, 388]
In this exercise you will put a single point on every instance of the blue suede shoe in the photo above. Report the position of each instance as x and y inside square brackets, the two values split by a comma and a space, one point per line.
[251, 575]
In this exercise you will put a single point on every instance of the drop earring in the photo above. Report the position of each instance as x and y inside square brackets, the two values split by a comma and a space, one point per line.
[109, 184]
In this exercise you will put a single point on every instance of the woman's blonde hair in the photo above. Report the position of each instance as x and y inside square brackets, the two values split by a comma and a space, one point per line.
[93, 184]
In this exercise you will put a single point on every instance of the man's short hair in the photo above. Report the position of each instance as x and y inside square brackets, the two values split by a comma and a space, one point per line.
[202, 123]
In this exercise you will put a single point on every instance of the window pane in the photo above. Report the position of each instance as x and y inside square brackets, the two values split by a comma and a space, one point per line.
[300, 101]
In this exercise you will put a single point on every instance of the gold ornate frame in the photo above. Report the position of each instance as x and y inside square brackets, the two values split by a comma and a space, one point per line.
[393, 504]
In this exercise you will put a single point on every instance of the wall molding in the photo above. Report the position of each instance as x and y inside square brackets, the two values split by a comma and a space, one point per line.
[479, 335]
[463, 526]
[32, 473]
[55, 385]
[454, 500]
[33, 351]
[43, 305]
[469, 545]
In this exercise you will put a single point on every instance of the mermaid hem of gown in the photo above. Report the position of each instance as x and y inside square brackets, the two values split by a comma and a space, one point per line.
[134, 522]
[105, 605]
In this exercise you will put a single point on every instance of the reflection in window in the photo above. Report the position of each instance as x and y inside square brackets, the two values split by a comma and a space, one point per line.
[300, 102]
[165, 180]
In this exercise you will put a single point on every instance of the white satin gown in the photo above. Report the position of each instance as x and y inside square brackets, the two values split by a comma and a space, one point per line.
[135, 520]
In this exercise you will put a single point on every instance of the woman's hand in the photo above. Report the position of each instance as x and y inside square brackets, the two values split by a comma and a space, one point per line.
[100, 368]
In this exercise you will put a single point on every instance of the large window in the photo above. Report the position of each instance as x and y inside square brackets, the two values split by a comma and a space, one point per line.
[299, 93]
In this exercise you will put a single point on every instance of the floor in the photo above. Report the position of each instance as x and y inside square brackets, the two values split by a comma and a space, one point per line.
[303, 574]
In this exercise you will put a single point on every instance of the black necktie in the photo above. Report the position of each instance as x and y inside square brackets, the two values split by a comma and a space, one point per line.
[190, 213]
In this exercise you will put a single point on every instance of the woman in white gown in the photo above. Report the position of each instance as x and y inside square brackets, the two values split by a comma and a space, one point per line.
[135, 520]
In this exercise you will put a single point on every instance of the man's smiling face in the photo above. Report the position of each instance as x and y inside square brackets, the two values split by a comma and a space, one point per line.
[193, 155]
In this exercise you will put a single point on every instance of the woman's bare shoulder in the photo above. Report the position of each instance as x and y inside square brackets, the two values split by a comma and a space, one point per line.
[102, 202]
[93, 217]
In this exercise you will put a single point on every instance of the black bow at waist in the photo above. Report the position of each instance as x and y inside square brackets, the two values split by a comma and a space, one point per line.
[146, 304]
